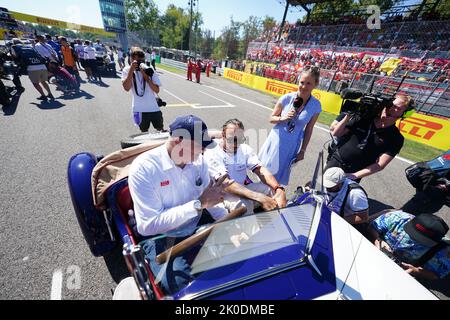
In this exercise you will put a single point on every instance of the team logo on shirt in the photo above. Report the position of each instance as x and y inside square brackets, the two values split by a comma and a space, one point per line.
[165, 183]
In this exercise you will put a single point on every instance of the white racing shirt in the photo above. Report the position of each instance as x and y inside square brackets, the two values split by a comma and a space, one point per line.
[164, 194]
[236, 165]
[146, 103]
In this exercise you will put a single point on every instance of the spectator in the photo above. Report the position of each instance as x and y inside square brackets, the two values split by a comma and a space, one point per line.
[35, 65]
[45, 50]
[90, 58]
[120, 58]
[69, 59]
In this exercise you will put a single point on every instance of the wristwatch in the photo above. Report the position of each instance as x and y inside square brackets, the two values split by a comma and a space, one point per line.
[278, 187]
[198, 205]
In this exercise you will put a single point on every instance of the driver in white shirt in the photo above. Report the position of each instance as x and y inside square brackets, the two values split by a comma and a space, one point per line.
[232, 157]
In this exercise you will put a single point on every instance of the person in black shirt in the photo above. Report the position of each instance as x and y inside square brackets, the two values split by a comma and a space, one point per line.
[366, 147]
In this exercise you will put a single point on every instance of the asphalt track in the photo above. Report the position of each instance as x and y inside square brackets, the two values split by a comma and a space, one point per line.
[43, 254]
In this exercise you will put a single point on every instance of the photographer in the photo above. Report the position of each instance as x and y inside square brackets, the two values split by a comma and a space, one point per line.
[346, 197]
[417, 244]
[144, 84]
[366, 145]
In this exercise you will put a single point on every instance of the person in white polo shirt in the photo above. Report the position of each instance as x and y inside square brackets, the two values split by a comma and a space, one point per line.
[143, 89]
[232, 157]
[346, 197]
[170, 187]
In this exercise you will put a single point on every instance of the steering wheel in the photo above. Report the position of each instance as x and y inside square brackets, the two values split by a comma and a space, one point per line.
[190, 242]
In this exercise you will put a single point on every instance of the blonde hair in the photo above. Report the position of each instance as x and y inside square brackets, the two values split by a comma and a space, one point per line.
[314, 72]
[404, 97]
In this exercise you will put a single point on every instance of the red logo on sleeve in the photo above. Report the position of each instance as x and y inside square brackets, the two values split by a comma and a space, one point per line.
[165, 183]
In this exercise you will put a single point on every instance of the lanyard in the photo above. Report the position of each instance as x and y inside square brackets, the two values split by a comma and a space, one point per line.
[135, 86]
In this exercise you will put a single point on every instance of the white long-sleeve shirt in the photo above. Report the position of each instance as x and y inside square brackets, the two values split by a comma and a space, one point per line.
[164, 194]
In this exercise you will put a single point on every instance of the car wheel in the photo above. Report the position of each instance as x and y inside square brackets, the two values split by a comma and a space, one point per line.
[137, 139]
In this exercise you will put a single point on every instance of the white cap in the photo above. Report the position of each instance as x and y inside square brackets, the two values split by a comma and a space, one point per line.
[332, 177]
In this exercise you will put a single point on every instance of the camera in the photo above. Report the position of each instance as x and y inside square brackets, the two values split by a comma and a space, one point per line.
[369, 105]
[148, 70]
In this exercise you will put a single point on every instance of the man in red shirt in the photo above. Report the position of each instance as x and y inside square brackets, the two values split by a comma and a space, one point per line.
[189, 69]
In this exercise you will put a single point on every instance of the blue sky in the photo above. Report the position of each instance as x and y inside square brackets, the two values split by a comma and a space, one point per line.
[216, 14]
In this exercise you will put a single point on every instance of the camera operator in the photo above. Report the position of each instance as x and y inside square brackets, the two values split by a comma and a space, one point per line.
[144, 84]
[367, 145]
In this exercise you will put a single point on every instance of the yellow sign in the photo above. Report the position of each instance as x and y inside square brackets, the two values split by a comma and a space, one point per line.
[60, 24]
[428, 130]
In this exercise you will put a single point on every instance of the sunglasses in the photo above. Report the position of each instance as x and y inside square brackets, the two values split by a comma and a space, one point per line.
[235, 140]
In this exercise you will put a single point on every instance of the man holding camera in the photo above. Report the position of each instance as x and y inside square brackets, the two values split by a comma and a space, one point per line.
[368, 145]
[144, 84]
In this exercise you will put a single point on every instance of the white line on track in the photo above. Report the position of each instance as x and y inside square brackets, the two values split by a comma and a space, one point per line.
[209, 95]
[262, 106]
[57, 281]
[176, 97]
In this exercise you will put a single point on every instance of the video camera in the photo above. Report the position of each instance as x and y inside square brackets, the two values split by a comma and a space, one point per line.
[369, 105]
[148, 70]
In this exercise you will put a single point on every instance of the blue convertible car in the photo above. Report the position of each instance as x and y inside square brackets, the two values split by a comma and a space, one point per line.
[304, 251]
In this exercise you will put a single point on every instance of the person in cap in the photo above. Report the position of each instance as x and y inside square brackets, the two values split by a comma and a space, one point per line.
[232, 157]
[417, 242]
[346, 197]
[170, 187]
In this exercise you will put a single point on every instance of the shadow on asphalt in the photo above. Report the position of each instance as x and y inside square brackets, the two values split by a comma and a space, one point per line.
[49, 105]
[442, 286]
[12, 107]
[116, 265]
[377, 206]
[73, 96]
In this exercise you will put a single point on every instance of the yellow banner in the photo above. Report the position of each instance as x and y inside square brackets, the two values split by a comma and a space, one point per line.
[390, 65]
[60, 24]
[428, 130]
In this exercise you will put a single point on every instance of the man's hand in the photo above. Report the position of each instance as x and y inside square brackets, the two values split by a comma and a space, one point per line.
[134, 66]
[280, 198]
[214, 193]
[146, 77]
[267, 203]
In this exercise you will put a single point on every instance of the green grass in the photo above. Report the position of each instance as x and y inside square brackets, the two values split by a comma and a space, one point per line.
[171, 69]
[411, 150]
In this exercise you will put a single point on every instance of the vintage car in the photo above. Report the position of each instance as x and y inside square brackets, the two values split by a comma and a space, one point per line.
[304, 251]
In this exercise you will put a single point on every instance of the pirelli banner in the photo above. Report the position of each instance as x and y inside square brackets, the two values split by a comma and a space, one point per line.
[60, 24]
[428, 130]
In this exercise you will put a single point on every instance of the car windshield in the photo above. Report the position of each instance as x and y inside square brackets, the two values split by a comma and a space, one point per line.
[241, 247]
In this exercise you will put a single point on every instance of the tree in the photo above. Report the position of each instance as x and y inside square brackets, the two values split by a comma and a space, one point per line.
[175, 23]
[141, 15]
[251, 29]
[268, 24]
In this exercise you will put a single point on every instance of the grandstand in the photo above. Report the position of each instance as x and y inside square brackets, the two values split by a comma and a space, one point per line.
[409, 53]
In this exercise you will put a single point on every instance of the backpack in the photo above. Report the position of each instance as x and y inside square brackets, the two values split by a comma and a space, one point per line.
[351, 187]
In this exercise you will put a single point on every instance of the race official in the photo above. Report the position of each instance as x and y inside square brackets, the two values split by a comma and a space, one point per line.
[170, 187]
[231, 157]
[369, 145]
[143, 89]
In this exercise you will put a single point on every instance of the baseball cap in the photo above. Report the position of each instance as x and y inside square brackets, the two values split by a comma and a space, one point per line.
[192, 128]
[333, 176]
[426, 229]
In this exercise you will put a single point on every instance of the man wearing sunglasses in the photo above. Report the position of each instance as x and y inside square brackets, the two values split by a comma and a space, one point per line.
[143, 88]
[367, 146]
[232, 158]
